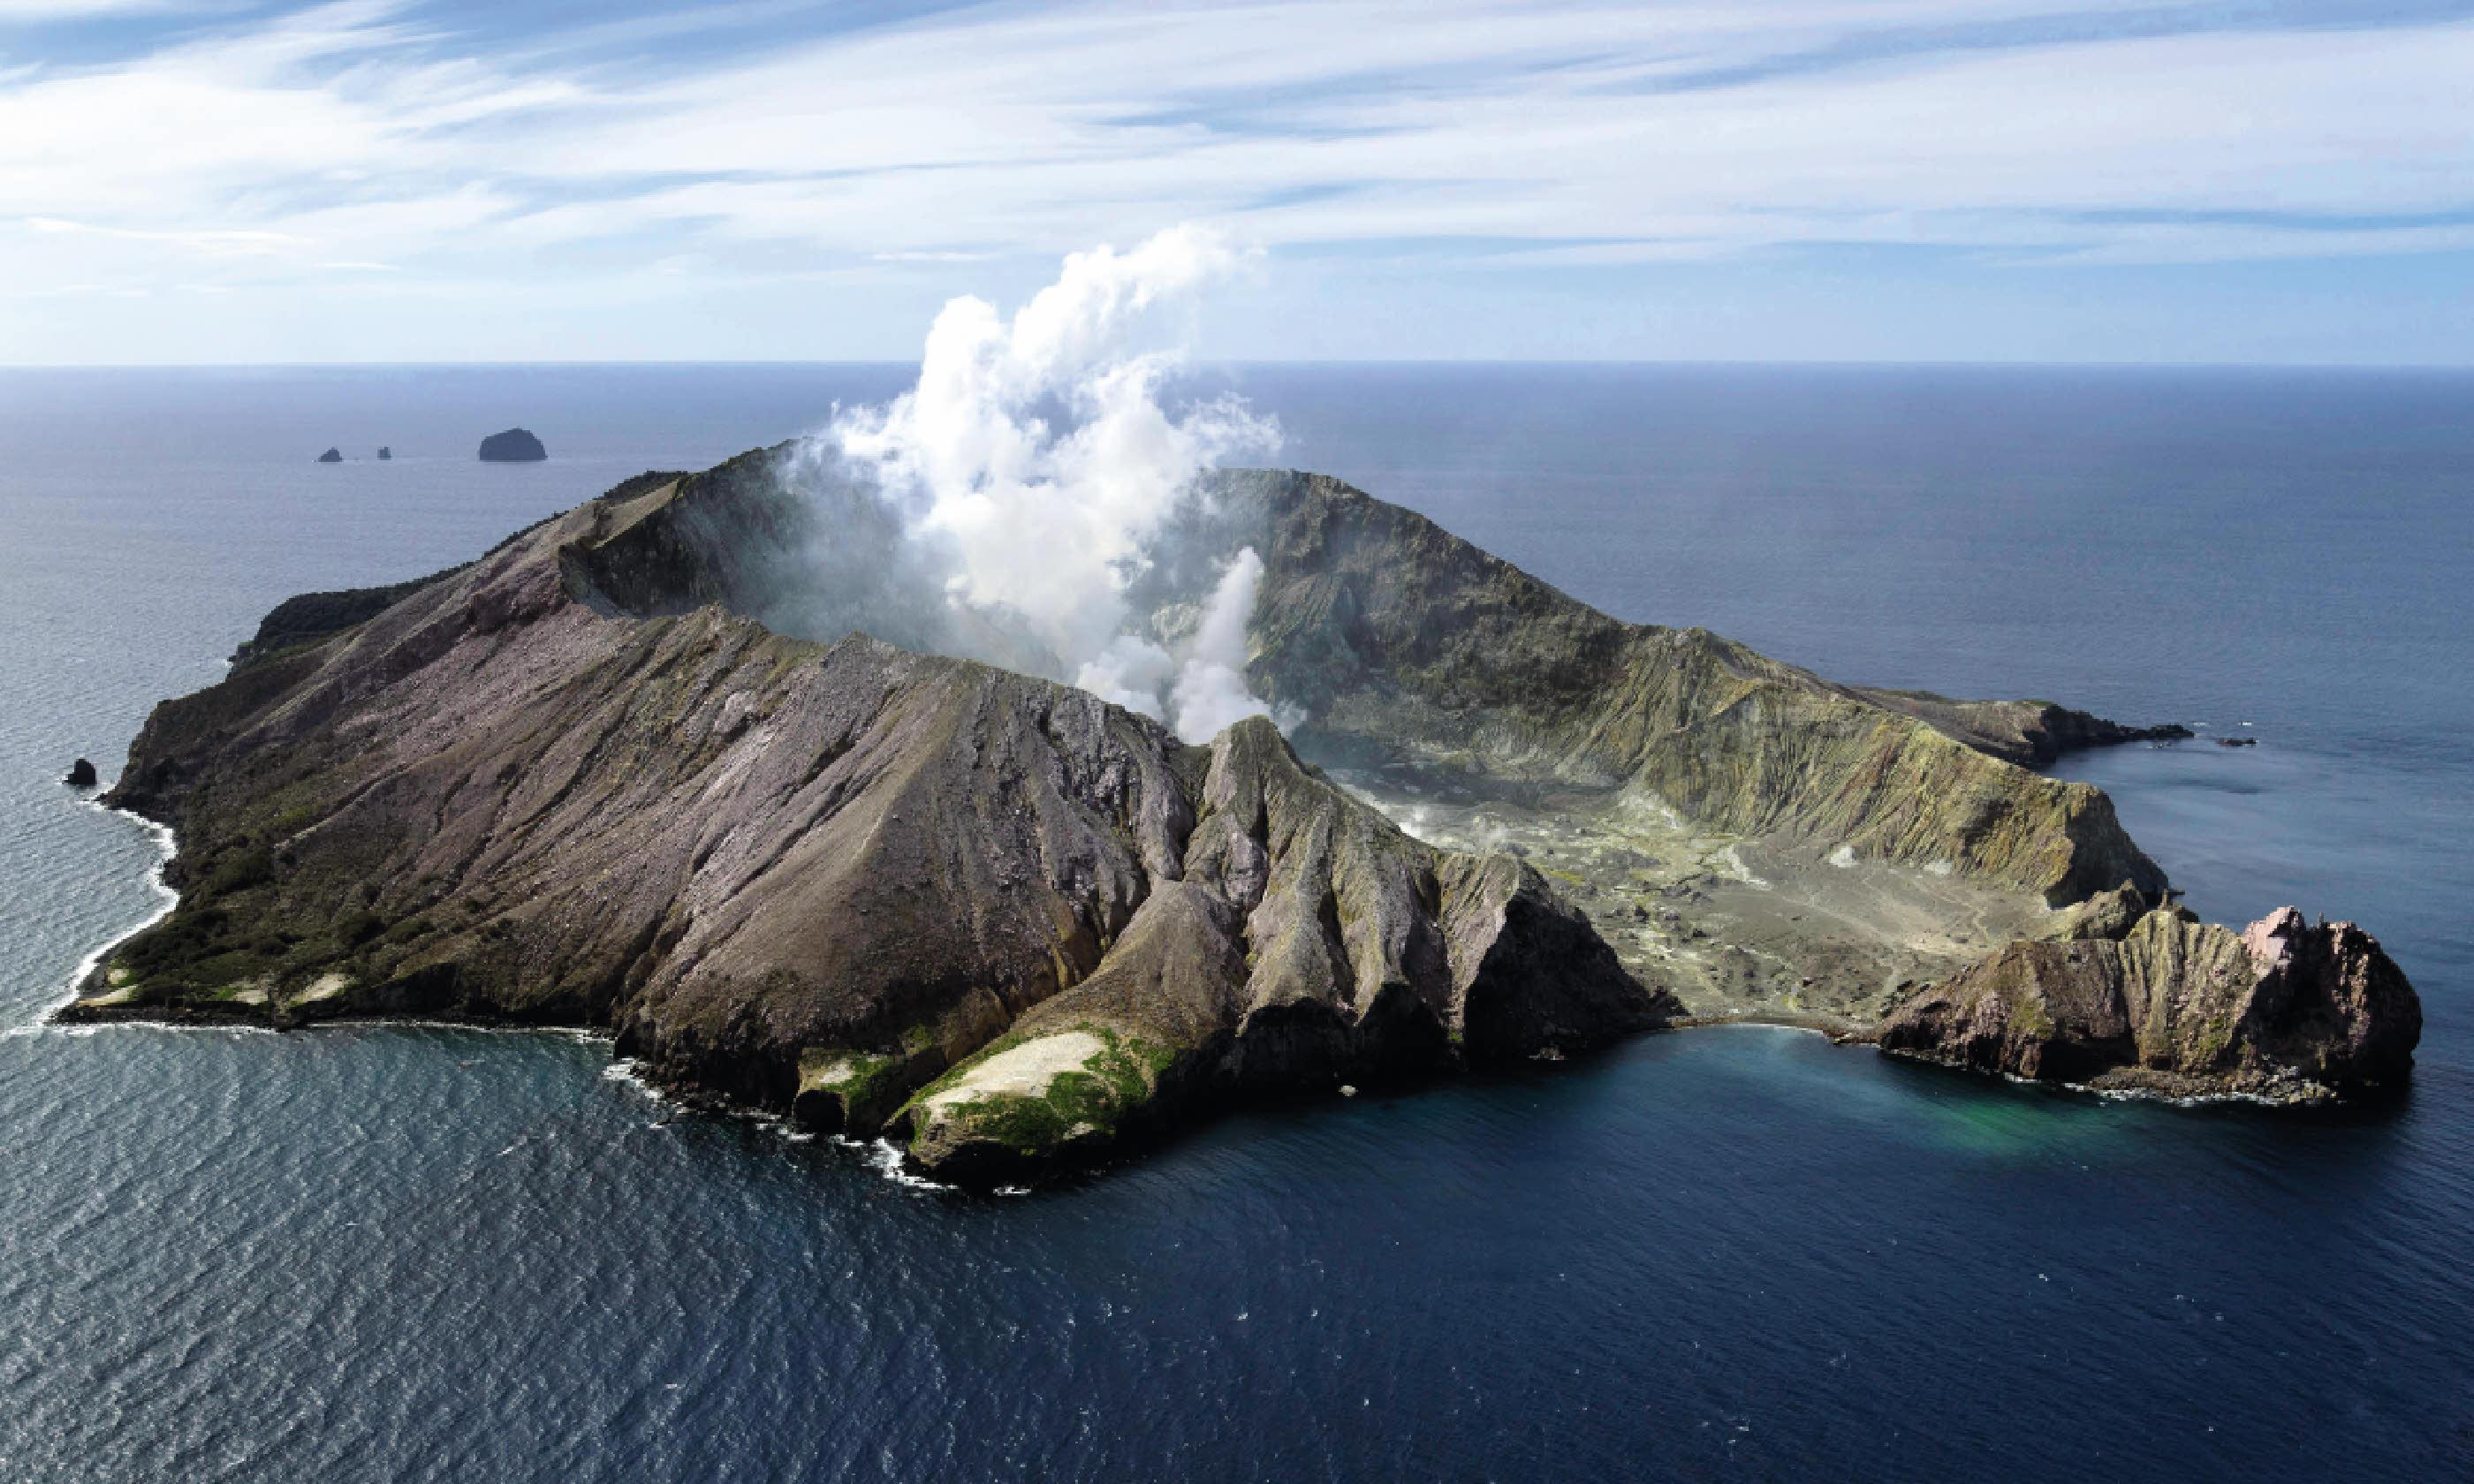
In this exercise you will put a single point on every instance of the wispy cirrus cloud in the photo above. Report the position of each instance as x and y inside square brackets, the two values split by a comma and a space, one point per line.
[259, 152]
[53, 12]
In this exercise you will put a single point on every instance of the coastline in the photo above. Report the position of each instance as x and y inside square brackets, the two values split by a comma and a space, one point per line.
[168, 900]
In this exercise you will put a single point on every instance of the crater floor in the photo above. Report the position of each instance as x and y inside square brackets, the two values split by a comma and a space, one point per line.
[1736, 927]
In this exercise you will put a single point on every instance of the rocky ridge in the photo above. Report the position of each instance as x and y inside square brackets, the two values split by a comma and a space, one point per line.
[1400, 642]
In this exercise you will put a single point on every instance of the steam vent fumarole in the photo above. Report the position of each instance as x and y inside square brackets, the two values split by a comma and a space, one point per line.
[609, 775]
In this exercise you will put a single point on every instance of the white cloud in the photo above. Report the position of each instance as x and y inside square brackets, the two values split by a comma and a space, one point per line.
[1039, 519]
[1481, 132]
[55, 11]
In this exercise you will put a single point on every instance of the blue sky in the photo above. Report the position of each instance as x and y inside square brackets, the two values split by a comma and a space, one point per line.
[221, 180]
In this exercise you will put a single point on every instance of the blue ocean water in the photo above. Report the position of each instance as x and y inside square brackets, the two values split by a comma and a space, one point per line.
[405, 1253]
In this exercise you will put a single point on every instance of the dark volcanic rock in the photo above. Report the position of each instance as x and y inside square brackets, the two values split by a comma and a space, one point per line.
[515, 446]
[314, 615]
[331, 456]
[1305, 941]
[81, 775]
[2031, 733]
[812, 877]
[2172, 1005]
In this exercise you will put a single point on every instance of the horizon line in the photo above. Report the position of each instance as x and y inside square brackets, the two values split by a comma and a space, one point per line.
[1748, 362]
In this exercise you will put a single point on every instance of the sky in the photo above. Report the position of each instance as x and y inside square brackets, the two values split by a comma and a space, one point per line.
[226, 181]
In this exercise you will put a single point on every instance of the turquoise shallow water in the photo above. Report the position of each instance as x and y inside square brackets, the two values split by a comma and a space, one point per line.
[389, 1251]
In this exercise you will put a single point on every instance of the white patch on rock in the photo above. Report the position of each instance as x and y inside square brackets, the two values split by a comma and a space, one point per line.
[324, 987]
[1026, 1070]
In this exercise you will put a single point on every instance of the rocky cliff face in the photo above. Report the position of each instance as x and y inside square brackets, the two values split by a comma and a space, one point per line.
[1303, 941]
[1394, 637]
[810, 878]
[2157, 1001]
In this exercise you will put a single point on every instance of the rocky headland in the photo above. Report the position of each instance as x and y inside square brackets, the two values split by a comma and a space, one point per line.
[609, 776]
[2126, 995]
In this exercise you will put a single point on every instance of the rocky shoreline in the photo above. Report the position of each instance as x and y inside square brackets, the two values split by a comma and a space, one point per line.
[593, 779]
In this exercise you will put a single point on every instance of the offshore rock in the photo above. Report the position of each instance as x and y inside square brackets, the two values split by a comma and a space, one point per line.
[385, 455]
[81, 775]
[2284, 1011]
[331, 456]
[515, 446]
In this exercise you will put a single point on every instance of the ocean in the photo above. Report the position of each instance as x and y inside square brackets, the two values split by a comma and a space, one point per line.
[407, 1253]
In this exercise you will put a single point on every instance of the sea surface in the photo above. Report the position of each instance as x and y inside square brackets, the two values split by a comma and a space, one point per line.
[398, 1253]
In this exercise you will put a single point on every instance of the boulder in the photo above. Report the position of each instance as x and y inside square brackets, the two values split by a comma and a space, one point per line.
[515, 446]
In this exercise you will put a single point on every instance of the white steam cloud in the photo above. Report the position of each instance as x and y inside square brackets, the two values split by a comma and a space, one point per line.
[1210, 690]
[1034, 461]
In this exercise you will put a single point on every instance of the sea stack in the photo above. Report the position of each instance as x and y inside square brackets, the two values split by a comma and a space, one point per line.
[81, 775]
[331, 456]
[385, 454]
[515, 446]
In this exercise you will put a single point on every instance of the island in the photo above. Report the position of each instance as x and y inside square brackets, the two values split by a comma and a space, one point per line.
[331, 456]
[602, 777]
[515, 446]
[386, 455]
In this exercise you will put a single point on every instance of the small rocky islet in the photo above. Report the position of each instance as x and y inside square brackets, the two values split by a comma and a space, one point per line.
[515, 446]
[603, 778]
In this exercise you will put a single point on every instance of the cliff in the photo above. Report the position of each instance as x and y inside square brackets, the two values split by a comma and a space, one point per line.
[1396, 638]
[2157, 1001]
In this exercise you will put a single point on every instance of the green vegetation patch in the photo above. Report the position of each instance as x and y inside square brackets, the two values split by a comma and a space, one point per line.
[869, 1080]
[1111, 1084]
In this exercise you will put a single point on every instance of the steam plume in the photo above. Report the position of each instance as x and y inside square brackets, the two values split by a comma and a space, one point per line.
[1027, 472]
[1210, 690]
